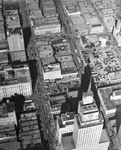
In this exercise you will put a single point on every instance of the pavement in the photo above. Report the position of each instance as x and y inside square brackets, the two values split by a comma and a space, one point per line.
[39, 96]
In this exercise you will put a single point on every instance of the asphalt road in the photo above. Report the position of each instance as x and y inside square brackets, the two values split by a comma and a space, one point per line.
[39, 96]
[22, 6]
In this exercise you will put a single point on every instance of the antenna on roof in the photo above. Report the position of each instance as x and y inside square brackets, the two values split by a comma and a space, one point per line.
[89, 87]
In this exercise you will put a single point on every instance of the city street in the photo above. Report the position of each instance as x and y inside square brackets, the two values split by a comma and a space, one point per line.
[39, 96]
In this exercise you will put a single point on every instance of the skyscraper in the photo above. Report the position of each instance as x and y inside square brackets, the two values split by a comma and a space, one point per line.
[88, 124]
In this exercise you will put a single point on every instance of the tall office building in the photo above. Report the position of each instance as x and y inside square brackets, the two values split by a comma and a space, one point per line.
[88, 124]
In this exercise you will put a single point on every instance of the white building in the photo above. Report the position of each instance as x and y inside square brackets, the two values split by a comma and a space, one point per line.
[110, 97]
[53, 28]
[15, 81]
[71, 7]
[96, 28]
[88, 124]
[65, 124]
[117, 31]
[16, 41]
[52, 71]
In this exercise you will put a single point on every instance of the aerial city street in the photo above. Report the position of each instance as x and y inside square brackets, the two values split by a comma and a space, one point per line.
[60, 75]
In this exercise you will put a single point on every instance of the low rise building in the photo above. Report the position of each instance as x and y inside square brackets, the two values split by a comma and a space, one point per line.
[45, 51]
[18, 56]
[12, 19]
[15, 81]
[8, 120]
[71, 8]
[109, 99]
[52, 72]
[96, 28]
[29, 130]
[91, 19]
[69, 72]
[65, 124]
[3, 57]
[56, 101]
[78, 25]
[72, 93]
[46, 25]
[117, 31]
[49, 60]
[15, 40]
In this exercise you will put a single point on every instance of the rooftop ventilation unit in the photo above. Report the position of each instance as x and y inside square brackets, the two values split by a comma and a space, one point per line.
[116, 95]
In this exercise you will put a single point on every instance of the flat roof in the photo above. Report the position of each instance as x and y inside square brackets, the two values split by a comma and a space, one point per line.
[49, 60]
[50, 12]
[42, 22]
[16, 42]
[10, 5]
[3, 57]
[3, 45]
[86, 7]
[12, 18]
[68, 143]
[52, 67]
[18, 56]
[45, 48]
[88, 123]
[10, 145]
[69, 70]
[104, 95]
[68, 116]
[14, 76]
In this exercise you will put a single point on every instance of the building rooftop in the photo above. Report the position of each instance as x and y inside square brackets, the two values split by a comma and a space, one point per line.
[12, 19]
[69, 70]
[56, 110]
[45, 48]
[50, 12]
[5, 108]
[67, 116]
[107, 12]
[86, 7]
[88, 123]
[10, 5]
[61, 86]
[68, 143]
[10, 145]
[28, 105]
[72, 7]
[49, 60]
[3, 45]
[45, 22]
[31, 1]
[18, 56]
[52, 67]
[35, 14]
[4, 57]
[11, 76]
[105, 94]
